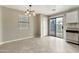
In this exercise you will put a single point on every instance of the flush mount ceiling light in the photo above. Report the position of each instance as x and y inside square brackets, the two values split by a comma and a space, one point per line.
[53, 9]
[30, 12]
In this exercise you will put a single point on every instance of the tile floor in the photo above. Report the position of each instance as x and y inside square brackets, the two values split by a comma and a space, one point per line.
[40, 45]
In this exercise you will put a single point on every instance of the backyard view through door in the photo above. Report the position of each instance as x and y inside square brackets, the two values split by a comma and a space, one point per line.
[56, 27]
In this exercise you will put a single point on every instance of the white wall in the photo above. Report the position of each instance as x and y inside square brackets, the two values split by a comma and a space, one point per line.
[44, 25]
[10, 25]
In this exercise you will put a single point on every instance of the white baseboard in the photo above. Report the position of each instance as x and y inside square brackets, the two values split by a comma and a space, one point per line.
[16, 40]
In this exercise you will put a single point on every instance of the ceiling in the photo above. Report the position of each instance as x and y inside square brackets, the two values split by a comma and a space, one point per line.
[44, 9]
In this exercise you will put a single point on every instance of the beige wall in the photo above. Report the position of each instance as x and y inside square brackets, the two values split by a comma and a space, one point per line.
[41, 25]
[10, 25]
[0, 25]
[37, 25]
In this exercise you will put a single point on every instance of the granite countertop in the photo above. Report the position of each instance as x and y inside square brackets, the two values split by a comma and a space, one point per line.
[73, 29]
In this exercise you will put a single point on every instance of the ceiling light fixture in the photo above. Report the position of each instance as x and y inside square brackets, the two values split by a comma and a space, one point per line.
[53, 9]
[30, 12]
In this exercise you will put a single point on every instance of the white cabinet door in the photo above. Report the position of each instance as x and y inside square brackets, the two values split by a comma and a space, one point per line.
[72, 17]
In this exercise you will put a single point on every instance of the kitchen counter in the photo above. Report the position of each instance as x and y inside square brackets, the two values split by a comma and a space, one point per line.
[73, 29]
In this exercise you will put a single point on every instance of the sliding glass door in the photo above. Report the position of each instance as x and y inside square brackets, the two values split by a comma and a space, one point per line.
[59, 27]
[56, 27]
[52, 27]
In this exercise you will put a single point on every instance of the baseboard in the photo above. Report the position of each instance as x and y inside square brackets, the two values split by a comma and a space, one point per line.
[16, 40]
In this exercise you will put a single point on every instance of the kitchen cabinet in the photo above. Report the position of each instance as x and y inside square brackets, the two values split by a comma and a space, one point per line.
[72, 36]
[72, 17]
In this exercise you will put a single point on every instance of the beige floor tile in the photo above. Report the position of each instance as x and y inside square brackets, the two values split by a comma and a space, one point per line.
[40, 45]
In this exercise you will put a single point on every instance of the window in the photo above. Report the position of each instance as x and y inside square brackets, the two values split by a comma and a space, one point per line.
[23, 22]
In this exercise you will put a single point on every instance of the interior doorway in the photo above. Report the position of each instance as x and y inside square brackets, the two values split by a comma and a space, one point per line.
[55, 27]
